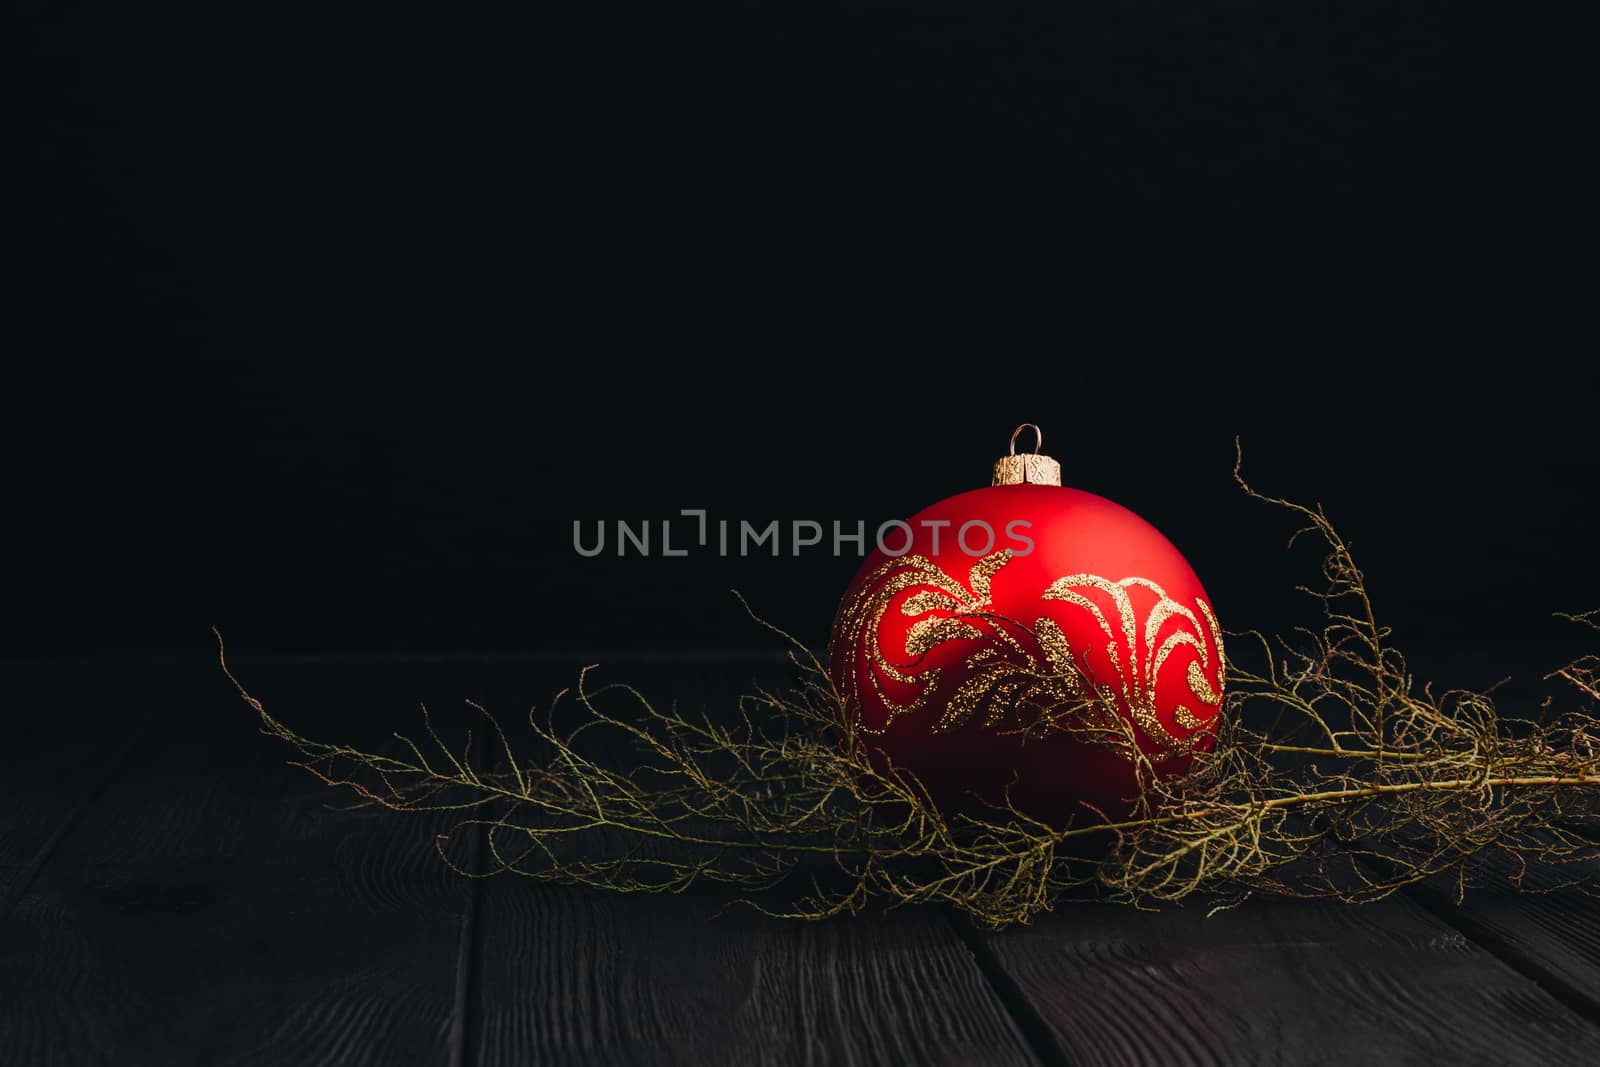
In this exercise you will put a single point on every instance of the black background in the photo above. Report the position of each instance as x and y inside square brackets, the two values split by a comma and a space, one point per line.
[332, 318]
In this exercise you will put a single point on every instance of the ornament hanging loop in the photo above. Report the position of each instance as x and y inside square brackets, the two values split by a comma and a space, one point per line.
[1038, 437]
[1030, 468]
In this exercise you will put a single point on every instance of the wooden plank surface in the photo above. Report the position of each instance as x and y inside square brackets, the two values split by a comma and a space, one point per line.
[67, 731]
[1279, 982]
[1548, 932]
[210, 909]
[576, 976]
[197, 902]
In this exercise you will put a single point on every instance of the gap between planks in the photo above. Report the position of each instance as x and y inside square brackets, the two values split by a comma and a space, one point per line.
[1438, 904]
[1572, 997]
[469, 957]
[1035, 1031]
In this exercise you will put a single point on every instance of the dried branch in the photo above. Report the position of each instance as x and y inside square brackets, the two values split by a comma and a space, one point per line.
[1333, 776]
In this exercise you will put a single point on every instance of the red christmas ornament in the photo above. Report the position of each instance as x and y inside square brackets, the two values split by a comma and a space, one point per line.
[1029, 641]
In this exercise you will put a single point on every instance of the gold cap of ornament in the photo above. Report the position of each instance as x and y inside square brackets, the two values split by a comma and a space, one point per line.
[1028, 468]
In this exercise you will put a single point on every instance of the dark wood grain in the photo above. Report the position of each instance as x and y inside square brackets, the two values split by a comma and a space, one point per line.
[1546, 931]
[1280, 982]
[573, 976]
[67, 730]
[198, 902]
[209, 908]
[576, 976]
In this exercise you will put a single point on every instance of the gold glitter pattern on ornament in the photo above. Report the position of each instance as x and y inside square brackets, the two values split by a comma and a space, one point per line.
[929, 632]
[1216, 638]
[983, 573]
[861, 620]
[1169, 627]
[1043, 697]
[1035, 687]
